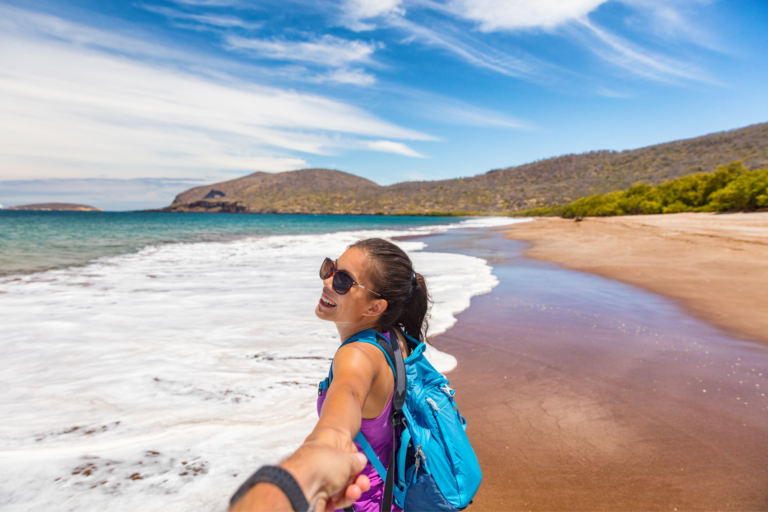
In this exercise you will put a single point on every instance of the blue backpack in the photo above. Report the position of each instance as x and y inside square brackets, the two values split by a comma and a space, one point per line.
[435, 467]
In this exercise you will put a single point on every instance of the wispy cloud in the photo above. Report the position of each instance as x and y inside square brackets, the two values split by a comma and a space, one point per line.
[345, 76]
[492, 15]
[68, 109]
[208, 3]
[469, 49]
[325, 50]
[558, 18]
[357, 14]
[388, 146]
[639, 61]
[566, 14]
[449, 111]
[319, 52]
[215, 20]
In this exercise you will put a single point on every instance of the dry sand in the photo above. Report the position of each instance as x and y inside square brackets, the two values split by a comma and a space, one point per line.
[716, 266]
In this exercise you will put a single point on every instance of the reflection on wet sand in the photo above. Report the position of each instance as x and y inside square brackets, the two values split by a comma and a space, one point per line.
[587, 394]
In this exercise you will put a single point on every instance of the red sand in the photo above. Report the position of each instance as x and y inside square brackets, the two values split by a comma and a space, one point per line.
[583, 394]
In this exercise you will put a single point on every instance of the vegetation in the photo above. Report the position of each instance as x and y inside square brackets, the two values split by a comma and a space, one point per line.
[535, 187]
[732, 187]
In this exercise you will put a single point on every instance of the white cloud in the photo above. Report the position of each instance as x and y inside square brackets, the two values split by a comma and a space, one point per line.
[325, 51]
[450, 111]
[388, 146]
[569, 18]
[355, 11]
[208, 3]
[492, 15]
[471, 50]
[215, 20]
[638, 61]
[673, 21]
[346, 76]
[68, 110]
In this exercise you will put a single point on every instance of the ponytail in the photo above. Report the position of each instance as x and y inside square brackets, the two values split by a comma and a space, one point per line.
[391, 272]
[413, 318]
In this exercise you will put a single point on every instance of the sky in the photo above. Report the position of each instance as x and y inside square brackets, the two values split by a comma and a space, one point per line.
[124, 104]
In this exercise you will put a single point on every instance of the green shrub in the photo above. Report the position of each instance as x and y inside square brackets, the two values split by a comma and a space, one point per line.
[731, 187]
[747, 192]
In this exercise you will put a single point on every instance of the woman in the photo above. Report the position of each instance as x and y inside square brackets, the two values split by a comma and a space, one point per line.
[371, 286]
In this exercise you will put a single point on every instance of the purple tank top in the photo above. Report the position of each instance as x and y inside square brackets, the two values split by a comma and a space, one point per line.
[378, 432]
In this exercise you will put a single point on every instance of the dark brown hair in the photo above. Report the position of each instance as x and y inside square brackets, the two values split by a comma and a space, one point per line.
[391, 273]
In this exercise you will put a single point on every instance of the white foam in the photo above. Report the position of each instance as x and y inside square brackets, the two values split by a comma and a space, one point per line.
[159, 380]
[489, 222]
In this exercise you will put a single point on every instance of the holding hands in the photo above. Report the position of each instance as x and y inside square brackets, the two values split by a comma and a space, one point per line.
[328, 477]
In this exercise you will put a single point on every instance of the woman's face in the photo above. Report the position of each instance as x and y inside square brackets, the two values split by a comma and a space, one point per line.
[357, 305]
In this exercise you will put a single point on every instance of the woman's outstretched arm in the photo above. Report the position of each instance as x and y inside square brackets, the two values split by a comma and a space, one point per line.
[357, 367]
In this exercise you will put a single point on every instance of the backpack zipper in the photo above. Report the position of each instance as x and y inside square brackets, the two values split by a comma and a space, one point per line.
[419, 455]
[436, 414]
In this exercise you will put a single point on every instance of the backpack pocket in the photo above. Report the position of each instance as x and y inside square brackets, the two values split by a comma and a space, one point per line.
[451, 459]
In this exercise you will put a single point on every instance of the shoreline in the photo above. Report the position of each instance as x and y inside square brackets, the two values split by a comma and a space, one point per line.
[583, 393]
[715, 266]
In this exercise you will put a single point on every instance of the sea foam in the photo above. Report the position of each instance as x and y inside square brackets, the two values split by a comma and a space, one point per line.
[159, 380]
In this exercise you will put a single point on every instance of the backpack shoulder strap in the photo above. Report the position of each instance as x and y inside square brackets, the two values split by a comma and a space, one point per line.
[378, 340]
[398, 400]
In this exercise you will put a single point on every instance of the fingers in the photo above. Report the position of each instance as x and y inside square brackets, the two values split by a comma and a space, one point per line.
[352, 493]
[329, 476]
[358, 462]
[363, 483]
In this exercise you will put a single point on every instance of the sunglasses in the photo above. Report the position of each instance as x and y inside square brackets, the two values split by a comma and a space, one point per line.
[342, 280]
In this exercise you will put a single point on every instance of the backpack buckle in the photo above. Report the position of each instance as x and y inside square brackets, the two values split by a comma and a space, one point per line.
[321, 386]
[394, 420]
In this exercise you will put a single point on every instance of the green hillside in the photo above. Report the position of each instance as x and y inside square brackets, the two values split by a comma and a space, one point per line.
[554, 181]
[731, 188]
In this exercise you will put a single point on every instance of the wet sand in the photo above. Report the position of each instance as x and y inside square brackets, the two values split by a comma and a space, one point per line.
[583, 393]
[716, 266]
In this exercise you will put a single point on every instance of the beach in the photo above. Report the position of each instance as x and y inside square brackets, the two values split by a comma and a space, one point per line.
[155, 379]
[715, 266]
[584, 393]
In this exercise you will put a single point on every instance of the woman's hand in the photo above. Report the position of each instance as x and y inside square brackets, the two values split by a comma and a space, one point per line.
[333, 437]
[329, 478]
[331, 475]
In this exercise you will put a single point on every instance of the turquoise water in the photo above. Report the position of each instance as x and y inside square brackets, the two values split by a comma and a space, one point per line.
[33, 241]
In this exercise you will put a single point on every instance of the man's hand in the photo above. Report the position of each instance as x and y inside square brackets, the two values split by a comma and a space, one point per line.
[328, 476]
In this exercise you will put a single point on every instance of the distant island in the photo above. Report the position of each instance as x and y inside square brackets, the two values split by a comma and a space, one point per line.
[545, 183]
[56, 207]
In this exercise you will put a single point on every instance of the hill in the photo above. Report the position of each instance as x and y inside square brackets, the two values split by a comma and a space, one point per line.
[553, 181]
[56, 207]
[260, 189]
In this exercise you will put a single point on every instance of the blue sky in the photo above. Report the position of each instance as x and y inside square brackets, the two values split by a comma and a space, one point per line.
[166, 94]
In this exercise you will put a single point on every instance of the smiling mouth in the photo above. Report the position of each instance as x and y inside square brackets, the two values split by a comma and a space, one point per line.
[327, 302]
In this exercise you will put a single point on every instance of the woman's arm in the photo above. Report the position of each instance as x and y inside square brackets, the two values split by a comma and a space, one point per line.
[358, 381]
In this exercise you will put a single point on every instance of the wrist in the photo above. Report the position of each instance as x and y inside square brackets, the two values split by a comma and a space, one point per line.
[306, 475]
[333, 437]
[271, 488]
[264, 497]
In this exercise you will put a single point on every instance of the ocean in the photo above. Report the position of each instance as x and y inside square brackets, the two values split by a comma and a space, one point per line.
[153, 361]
